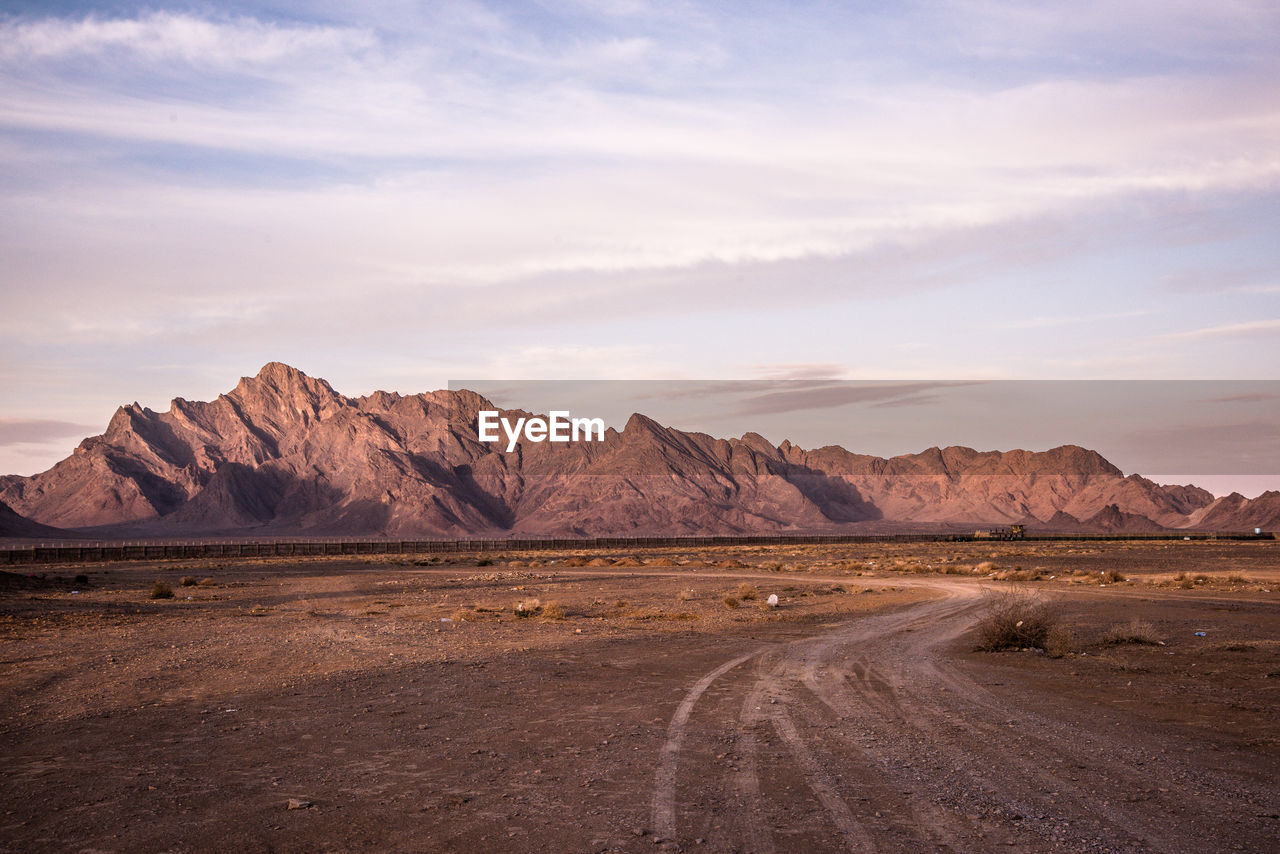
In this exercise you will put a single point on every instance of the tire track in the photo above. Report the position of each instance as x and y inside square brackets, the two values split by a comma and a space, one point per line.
[664, 783]
[951, 765]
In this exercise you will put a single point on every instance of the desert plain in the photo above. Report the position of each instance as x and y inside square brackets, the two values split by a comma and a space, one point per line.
[648, 700]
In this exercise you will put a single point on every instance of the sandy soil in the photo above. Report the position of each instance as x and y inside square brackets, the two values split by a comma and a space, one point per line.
[405, 707]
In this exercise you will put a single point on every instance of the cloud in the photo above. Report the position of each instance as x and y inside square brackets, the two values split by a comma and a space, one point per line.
[20, 431]
[1217, 282]
[820, 371]
[163, 37]
[187, 188]
[833, 396]
[1248, 328]
[1251, 447]
[1041, 322]
[1241, 398]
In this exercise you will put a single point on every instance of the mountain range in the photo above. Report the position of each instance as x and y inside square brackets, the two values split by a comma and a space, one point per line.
[284, 454]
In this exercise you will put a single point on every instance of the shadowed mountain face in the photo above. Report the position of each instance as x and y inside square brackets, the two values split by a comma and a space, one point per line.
[13, 525]
[284, 453]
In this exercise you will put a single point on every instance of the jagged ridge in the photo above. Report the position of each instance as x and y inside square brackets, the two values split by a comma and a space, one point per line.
[285, 453]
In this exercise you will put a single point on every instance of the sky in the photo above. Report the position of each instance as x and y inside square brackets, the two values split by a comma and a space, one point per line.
[395, 195]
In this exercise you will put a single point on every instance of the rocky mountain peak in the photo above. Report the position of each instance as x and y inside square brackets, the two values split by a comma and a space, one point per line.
[280, 394]
[284, 452]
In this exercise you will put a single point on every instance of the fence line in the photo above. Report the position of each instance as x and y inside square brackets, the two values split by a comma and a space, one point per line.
[152, 550]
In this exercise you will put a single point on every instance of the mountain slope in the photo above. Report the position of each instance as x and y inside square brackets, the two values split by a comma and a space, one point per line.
[14, 525]
[285, 453]
[1234, 512]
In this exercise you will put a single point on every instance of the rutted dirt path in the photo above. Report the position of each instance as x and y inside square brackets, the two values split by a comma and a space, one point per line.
[405, 713]
[871, 737]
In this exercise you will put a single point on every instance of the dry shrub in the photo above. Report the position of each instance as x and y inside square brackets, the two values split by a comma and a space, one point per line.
[1135, 631]
[747, 592]
[189, 581]
[1112, 576]
[553, 611]
[730, 602]
[208, 582]
[654, 614]
[527, 608]
[1015, 619]
[1188, 582]
[160, 590]
[1059, 642]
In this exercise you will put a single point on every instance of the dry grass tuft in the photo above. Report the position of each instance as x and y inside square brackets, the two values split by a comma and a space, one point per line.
[553, 611]
[464, 615]
[687, 596]
[656, 614]
[160, 590]
[1134, 632]
[527, 608]
[1189, 582]
[1015, 619]
[747, 592]
[1059, 642]
[189, 581]
[731, 603]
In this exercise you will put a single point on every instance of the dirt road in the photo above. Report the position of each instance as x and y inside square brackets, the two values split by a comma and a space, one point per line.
[373, 707]
[871, 737]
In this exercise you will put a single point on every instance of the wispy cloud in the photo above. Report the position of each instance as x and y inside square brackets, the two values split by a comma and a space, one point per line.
[19, 431]
[1246, 328]
[822, 371]
[1242, 398]
[1068, 320]
[842, 394]
[641, 188]
[165, 37]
